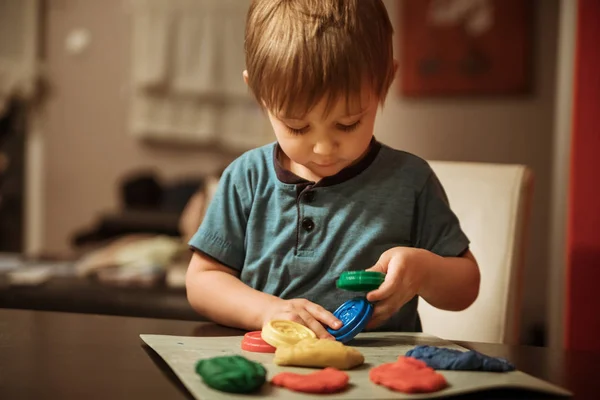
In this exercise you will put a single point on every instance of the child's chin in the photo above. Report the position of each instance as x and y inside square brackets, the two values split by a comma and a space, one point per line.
[330, 170]
[338, 166]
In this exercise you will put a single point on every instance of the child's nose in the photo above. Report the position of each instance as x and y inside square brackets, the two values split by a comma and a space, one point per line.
[324, 147]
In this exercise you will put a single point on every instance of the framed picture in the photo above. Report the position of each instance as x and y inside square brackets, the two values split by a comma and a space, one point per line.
[465, 47]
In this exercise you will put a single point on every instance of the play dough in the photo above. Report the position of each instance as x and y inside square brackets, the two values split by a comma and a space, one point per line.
[181, 353]
[408, 375]
[452, 359]
[234, 374]
[277, 333]
[319, 353]
[329, 380]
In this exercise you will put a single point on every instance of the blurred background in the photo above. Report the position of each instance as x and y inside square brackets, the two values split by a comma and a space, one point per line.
[117, 117]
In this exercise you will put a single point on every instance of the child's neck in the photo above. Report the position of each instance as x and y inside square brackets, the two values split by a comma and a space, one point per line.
[305, 173]
[299, 170]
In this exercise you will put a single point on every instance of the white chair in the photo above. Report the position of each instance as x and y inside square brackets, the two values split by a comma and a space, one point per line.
[492, 202]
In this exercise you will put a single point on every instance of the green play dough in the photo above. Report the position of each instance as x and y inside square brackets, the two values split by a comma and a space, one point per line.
[234, 374]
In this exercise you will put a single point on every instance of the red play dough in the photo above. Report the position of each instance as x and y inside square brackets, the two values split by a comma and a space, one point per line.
[328, 380]
[408, 375]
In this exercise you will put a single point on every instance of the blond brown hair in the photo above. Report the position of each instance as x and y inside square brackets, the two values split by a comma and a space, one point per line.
[299, 51]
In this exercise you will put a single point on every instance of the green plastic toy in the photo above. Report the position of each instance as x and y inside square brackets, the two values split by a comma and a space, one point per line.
[360, 281]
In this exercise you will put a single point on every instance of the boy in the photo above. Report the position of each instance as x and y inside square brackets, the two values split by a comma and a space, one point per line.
[289, 217]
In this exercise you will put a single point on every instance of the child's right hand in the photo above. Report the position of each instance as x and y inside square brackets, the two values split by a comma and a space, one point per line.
[303, 312]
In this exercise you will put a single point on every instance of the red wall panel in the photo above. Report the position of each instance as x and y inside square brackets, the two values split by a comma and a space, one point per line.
[582, 316]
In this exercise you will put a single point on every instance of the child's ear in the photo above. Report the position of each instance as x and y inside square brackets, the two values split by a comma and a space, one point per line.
[245, 75]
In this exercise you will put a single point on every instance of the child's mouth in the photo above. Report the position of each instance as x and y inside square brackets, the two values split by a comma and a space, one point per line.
[325, 165]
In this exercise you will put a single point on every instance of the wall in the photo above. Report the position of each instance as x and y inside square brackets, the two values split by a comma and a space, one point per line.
[582, 319]
[560, 175]
[504, 130]
[87, 146]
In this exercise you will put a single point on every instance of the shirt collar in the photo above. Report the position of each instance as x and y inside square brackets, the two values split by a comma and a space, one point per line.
[347, 173]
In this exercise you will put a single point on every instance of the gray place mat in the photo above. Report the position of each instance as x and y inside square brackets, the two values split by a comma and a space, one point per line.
[182, 353]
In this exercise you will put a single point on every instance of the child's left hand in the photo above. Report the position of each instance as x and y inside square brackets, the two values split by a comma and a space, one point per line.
[405, 273]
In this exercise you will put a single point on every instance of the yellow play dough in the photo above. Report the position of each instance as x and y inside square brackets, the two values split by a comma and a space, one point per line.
[319, 353]
[279, 332]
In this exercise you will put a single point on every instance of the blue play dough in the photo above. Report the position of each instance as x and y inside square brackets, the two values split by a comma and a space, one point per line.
[354, 315]
[442, 358]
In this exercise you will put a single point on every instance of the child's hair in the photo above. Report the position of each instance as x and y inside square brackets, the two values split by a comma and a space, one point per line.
[298, 51]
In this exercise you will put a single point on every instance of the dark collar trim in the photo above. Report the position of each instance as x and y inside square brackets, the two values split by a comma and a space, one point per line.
[344, 175]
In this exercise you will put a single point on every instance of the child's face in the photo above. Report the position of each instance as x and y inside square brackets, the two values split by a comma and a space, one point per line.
[318, 146]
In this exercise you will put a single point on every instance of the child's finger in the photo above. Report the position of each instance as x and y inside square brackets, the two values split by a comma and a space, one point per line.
[386, 309]
[381, 264]
[324, 316]
[314, 325]
[383, 308]
[373, 323]
[384, 291]
[388, 286]
[377, 268]
[289, 316]
[381, 313]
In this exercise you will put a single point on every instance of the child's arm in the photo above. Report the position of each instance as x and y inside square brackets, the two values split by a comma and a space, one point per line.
[216, 292]
[449, 283]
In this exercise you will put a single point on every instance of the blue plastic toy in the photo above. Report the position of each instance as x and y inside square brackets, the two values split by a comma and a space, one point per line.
[354, 315]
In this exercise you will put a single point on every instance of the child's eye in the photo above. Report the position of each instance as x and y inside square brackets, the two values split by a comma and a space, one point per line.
[295, 131]
[349, 128]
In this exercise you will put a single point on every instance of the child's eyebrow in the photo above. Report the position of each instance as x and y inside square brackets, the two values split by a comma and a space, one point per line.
[359, 114]
[347, 116]
[289, 119]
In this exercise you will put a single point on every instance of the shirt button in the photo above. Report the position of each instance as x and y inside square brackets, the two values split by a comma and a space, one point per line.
[309, 196]
[308, 224]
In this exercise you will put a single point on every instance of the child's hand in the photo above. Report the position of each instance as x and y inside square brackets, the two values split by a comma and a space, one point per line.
[303, 312]
[404, 277]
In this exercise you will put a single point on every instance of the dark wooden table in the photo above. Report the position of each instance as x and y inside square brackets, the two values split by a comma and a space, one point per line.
[49, 355]
[71, 294]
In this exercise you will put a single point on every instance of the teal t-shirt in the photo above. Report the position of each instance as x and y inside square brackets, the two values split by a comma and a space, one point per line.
[293, 238]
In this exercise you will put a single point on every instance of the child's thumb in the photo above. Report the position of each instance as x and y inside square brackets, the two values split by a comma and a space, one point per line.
[382, 264]
[379, 267]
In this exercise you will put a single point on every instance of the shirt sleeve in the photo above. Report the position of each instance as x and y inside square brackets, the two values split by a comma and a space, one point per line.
[222, 233]
[437, 227]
